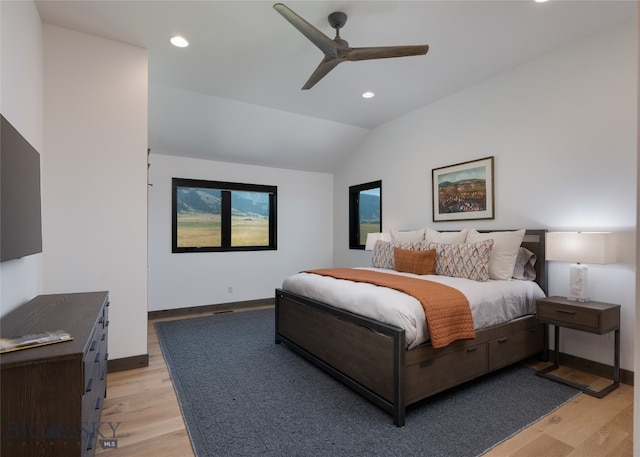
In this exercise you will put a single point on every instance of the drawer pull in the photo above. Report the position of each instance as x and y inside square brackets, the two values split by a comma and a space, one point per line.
[475, 348]
[90, 385]
[97, 358]
[426, 363]
[503, 340]
[101, 320]
[93, 346]
[565, 311]
[98, 402]
[90, 441]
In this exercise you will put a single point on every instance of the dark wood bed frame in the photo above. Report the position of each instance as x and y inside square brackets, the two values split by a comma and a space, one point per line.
[370, 356]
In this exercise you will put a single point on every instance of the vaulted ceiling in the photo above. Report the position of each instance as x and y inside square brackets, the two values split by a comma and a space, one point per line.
[234, 94]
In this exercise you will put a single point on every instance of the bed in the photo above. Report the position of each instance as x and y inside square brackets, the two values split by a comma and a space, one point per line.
[376, 359]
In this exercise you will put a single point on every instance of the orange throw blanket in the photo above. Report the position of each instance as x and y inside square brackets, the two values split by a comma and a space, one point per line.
[446, 309]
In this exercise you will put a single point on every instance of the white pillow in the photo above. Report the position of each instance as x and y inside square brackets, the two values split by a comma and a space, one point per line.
[504, 253]
[407, 236]
[434, 236]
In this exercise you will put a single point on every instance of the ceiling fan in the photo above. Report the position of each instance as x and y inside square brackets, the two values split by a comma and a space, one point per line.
[338, 50]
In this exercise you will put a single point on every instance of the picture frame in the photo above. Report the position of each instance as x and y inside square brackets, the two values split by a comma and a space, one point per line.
[463, 191]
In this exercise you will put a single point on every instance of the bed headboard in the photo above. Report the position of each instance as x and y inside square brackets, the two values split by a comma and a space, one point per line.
[534, 240]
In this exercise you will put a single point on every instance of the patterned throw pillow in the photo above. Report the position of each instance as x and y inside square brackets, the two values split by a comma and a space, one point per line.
[469, 260]
[416, 262]
[383, 252]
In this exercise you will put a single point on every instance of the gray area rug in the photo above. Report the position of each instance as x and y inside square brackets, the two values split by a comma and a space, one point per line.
[243, 395]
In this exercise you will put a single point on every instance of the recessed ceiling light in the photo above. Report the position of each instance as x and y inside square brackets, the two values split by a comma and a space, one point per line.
[179, 42]
[368, 95]
[541, 1]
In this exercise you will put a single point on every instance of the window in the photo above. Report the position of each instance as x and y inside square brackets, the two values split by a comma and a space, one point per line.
[210, 216]
[365, 212]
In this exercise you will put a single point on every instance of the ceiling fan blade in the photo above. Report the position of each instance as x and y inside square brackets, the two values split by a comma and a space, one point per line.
[383, 52]
[322, 41]
[337, 50]
[320, 72]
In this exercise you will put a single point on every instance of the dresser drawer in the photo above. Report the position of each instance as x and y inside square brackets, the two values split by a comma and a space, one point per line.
[91, 362]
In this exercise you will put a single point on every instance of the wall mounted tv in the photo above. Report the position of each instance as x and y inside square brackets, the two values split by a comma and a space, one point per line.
[20, 212]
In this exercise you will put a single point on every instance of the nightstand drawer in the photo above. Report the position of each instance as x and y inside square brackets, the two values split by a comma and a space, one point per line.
[570, 315]
[591, 316]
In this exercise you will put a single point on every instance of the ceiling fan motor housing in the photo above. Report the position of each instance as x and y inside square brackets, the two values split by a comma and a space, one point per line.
[337, 19]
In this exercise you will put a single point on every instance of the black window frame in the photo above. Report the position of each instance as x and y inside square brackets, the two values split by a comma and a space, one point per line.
[226, 188]
[354, 212]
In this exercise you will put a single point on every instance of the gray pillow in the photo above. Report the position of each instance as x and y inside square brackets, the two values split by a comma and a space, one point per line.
[525, 265]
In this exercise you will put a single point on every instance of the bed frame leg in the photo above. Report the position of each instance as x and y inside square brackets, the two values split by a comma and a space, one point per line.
[399, 377]
[398, 417]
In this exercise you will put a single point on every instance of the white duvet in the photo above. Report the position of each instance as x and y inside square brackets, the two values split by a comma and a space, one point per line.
[491, 302]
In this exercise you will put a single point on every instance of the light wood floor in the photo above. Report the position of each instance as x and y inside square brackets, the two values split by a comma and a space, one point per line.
[151, 424]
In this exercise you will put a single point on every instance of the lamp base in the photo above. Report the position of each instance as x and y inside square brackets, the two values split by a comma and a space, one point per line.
[581, 300]
[578, 281]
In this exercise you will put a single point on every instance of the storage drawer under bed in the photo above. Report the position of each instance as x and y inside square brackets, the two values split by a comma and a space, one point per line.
[427, 377]
[516, 346]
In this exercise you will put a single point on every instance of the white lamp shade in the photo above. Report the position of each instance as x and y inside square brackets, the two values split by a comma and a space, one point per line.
[581, 247]
[373, 237]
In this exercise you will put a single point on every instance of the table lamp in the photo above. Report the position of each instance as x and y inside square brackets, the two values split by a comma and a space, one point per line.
[581, 248]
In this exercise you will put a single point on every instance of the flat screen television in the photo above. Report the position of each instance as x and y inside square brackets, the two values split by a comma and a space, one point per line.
[20, 210]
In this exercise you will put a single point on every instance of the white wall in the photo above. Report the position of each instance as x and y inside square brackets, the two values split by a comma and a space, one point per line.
[563, 132]
[94, 177]
[21, 104]
[193, 279]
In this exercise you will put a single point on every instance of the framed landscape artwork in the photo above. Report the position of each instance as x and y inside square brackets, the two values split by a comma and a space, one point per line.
[463, 191]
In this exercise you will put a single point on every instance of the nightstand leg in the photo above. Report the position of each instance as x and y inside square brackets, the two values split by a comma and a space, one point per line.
[616, 359]
[546, 372]
[545, 351]
[556, 346]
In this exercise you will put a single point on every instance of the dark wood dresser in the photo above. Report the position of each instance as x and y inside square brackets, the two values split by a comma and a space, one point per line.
[51, 396]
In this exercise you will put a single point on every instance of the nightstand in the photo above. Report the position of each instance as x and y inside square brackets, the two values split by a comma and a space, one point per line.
[592, 317]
